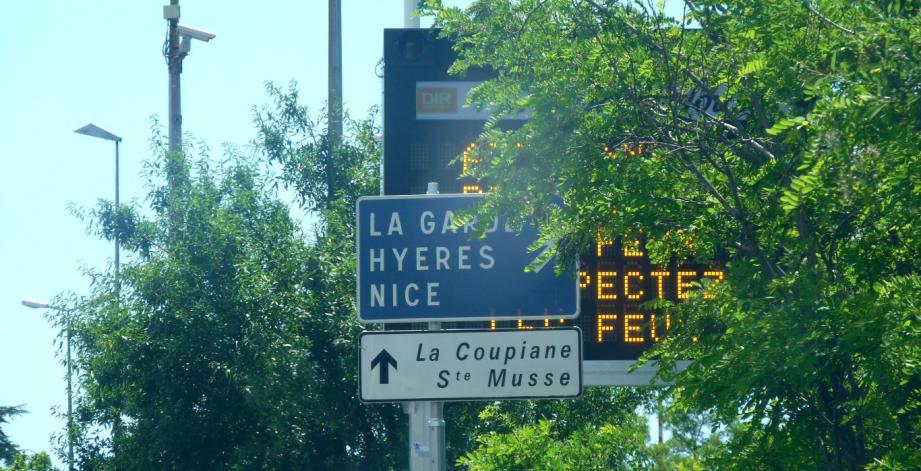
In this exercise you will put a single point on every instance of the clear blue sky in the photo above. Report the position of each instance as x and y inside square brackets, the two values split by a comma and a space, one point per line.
[69, 63]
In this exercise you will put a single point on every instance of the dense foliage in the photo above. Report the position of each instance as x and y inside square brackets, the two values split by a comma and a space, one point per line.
[228, 342]
[600, 430]
[806, 171]
[26, 462]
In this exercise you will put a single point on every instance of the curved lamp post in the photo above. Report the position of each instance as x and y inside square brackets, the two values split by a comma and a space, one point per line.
[36, 304]
[95, 131]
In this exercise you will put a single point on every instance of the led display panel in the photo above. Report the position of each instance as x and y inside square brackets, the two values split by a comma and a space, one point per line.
[428, 133]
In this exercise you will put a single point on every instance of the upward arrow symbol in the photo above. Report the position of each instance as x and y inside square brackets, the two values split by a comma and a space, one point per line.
[386, 361]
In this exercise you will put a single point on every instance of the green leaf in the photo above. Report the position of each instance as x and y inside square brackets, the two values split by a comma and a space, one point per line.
[786, 124]
[755, 65]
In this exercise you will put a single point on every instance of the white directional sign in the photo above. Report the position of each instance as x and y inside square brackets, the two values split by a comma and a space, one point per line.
[470, 364]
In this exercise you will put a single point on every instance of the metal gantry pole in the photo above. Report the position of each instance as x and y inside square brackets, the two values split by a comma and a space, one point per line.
[435, 425]
[426, 420]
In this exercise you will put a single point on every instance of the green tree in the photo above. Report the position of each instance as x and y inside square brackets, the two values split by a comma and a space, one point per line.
[806, 173]
[539, 447]
[8, 449]
[229, 342]
[600, 430]
[328, 183]
[697, 441]
[25, 462]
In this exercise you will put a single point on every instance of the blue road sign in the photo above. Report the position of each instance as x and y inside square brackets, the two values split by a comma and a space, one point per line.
[416, 264]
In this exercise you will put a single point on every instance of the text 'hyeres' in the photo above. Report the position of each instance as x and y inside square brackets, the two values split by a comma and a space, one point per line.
[393, 224]
[428, 257]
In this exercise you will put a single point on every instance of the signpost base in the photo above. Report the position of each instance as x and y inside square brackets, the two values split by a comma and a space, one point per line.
[426, 431]
[426, 435]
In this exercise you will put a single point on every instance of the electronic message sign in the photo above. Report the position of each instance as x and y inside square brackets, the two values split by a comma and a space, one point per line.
[428, 137]
[617, 282]
[426, 125]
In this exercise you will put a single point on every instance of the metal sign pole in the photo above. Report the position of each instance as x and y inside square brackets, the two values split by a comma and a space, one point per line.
[426, 419]
[420, 452]
[435, 423]
[435, 419]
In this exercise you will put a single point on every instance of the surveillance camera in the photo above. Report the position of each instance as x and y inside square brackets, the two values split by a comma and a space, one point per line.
[195, 33]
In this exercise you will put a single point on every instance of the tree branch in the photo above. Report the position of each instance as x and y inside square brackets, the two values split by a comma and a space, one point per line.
[686, 70]
[812, 9]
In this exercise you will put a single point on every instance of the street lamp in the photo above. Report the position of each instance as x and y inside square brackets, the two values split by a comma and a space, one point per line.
[36, 304]
[95, 131]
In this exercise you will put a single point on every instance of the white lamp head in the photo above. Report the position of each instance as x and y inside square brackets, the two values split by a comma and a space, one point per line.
[34, 303]
[95, 131]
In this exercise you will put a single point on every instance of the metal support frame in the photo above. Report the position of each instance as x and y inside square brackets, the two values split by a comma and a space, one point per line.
[426, 420]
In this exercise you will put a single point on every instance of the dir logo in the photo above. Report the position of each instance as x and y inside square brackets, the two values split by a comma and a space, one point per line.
[436, 100]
